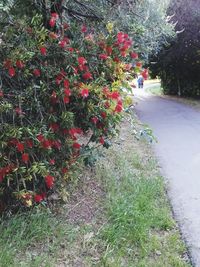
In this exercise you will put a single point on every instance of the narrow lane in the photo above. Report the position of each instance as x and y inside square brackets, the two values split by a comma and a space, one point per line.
[177, 129]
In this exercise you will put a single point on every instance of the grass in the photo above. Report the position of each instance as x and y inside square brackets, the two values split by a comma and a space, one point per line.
[131, 223]
[154, 89]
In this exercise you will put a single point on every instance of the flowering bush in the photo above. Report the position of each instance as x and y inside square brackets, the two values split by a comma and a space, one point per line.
[56, 88]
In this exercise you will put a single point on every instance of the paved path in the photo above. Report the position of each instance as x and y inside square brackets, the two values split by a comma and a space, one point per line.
[177, 128]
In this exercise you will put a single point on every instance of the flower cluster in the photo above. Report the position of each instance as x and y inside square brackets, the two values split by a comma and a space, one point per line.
[55, 93]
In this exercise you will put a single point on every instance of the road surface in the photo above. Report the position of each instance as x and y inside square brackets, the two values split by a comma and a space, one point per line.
[177, 129]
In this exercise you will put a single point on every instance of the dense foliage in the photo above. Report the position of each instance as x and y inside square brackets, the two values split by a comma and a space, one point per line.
[59, 96]
[178, 63]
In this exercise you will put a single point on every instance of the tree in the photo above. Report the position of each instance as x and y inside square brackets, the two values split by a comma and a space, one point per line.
[178, 62]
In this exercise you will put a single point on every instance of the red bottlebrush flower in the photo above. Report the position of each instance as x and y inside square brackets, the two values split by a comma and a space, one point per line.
[7, 64]
[70, 49]
[103, 114]
[101, 140]
[43, 50]
[55, 15]
[118, 108]
[123, 53]
[62, 43]
[94, 120]
[115, 95]
[49, 181]
[19, 64]
[133, 55]
[116, 59]
[38, 198]
[25, 157]
[76, 145]
[11, 72]
[145, 74]
[139, 64]
[52, 22]
[103, 56]
[1, 93]
[29, 143]
[46, 144]
[40, 137]
[52, 162]
[120, 37]
[82, 60]
[20, 147]
[109, 50]
[66, 99]
[54, 127]
[87, 76]
[83, 28]
[57, 144]
[67, 92]
[59, 79]
[64, 170]
[36, 72]
[85, 93]
[19, 111]
[66, 83]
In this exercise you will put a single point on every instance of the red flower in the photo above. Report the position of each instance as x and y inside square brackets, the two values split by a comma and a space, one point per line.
[1, 93]
[25, 157]
[7, 63]
[134, 55]
[85, 93]
[64, 170]
[101, 140]
[66, 99]
[76, 145]
[109, 50]
[118, 108]
[19, 64]
[38, 198]
[66, 83]
[82, 61]
[19, 111]
[36, 72]
[54, 127]
[87, 76]
[52, 22]
[83, 28]
[116, 59]
[49, 180]
[103, 114]
[40, 137]
[94, 120]
[29, 143]
[11, 72]
[52, 162]
[62, 43]
[57, 144]
[139, 64]
[103, 56]
[114, 95]
[43, 50]
[46, 144]
[55, 15]
[20, 147]
[67, 92]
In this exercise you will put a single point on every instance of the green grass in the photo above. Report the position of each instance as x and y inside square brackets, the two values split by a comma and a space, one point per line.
[155, 89]
[140, 231]
[31, 239]
[134, 227]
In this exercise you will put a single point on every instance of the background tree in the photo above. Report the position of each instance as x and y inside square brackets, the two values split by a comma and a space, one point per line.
[178, 62]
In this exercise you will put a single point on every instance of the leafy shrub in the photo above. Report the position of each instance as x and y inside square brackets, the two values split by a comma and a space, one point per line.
[59, 93]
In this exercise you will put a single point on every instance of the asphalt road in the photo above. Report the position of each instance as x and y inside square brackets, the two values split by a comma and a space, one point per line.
[177, 129]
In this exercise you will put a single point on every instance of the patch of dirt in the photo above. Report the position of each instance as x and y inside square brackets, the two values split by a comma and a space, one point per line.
[85, 204]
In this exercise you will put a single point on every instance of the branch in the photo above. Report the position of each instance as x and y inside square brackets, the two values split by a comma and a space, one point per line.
[73, 13]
